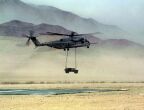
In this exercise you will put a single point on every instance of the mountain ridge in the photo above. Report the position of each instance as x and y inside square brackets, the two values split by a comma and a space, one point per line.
[20, 28]
[16, 9]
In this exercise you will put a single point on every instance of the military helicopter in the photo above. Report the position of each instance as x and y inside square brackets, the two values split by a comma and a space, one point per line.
[73, 40]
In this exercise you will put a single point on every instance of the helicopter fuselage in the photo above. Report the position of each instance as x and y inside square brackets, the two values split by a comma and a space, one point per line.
[65, 43]
[69, 43]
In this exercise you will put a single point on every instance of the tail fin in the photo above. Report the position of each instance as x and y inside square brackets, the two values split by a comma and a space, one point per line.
[35, 41]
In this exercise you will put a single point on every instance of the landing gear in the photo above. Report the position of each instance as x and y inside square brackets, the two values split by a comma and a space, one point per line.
[68, 70]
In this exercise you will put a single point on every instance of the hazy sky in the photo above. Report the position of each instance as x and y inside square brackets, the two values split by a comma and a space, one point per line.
[128, 14]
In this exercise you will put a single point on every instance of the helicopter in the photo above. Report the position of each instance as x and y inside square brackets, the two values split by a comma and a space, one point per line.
[73, 40]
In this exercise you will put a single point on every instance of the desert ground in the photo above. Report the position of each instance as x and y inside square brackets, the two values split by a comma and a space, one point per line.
[132, 98]
[19, 64]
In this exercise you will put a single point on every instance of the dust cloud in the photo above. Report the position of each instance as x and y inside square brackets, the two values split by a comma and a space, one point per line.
[21, 63]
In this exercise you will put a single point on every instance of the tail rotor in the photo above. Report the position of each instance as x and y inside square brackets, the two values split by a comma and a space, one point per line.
[28, 42]
[31, 34]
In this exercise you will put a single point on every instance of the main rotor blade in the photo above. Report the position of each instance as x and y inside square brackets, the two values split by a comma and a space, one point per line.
[71, 35]
[52, 33]
[87, 34]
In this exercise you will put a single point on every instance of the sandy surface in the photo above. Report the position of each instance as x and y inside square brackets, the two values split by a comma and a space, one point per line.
[133, 99]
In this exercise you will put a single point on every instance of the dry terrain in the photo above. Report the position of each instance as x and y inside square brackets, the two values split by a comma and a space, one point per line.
[133, 99]
[19, 64]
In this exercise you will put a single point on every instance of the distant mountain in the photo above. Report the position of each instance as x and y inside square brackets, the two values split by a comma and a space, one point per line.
[119, 43]
[16, 9]
[19, 28]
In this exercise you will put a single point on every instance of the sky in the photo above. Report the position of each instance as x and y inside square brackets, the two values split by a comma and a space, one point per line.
[127, 14]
